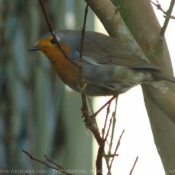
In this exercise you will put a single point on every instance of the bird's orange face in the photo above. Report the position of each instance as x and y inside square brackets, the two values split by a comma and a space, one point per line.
[50, 49]
[65, 70]
[45, 43]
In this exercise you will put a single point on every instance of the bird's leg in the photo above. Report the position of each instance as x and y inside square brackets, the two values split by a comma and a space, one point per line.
[108, 102]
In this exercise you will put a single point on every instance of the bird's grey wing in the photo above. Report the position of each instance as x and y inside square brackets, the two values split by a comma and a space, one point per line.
[101, 49]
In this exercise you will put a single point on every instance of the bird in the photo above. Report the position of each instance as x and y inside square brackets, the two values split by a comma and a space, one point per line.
[108, 68]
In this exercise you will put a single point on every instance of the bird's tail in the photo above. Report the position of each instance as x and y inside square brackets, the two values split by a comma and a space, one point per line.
[159, 76]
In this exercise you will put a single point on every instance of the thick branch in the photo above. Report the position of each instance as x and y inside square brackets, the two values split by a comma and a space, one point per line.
[142, 14]
[159, 100]
[166, 99]
[112, 21]
[99, 158]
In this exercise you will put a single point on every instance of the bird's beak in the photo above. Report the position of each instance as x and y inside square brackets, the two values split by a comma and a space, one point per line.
[35, 48]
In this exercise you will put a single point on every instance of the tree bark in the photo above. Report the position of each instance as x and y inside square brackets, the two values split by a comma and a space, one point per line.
[147, 31]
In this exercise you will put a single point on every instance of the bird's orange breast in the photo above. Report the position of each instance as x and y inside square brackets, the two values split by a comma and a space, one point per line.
[67, 72]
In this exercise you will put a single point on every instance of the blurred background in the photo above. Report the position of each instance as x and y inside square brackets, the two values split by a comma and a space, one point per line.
[42, 116]
[37, 113]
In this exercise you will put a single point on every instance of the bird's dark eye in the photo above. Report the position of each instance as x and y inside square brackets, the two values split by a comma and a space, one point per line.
[53, 41]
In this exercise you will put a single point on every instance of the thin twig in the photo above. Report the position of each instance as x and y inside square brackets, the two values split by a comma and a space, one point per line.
[42, 3]
[102, 145]
[106, 119]
[110, 123]
[159, 7]
[84, 102]
[113, 127]
[109, 155]
[167, 19]
[134, 165]
[112, 136]
[107, 161]
[81, 77]
[106, 156]
[83, 33]
[59, 166]
[118, 144]
[49, 166]
[109, 101]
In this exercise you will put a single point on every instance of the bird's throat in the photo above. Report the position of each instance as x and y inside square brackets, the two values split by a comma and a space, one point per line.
[65, 69]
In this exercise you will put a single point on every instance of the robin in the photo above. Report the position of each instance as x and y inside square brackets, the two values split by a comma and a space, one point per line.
[108, 68]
